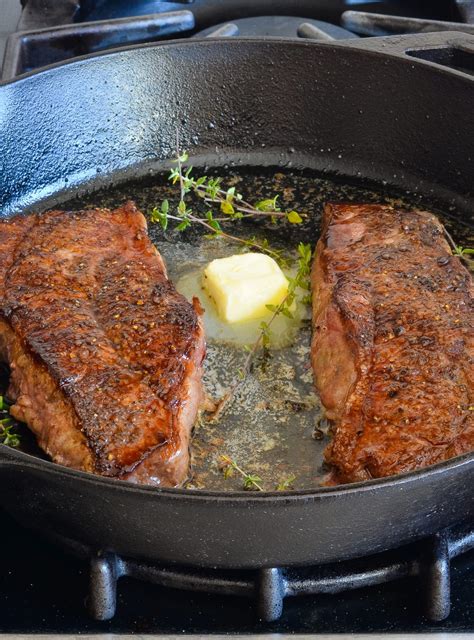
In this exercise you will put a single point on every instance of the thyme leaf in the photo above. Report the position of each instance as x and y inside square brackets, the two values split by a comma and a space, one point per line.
[4, 406]
[8, 436]
[462, 251]
[457, 250]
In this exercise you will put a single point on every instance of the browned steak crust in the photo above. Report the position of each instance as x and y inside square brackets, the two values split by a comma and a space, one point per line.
[105, 353]
[393, 340]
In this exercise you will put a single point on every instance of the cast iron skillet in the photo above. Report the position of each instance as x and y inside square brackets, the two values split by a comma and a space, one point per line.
[355, 109]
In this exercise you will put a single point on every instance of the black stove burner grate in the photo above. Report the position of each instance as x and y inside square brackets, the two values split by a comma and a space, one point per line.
[36, 48]
[30, 50]
[52, 31]
[428, 560]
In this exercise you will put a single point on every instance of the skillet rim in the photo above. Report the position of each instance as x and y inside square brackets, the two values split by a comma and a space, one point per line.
[26, 460]
[407, 477]
[353, 44]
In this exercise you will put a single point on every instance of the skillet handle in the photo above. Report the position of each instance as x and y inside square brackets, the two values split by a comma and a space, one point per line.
[450, 49]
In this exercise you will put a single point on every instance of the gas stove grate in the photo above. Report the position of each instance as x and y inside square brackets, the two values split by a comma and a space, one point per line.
[52, 31]
[428, 560]
[30, 50]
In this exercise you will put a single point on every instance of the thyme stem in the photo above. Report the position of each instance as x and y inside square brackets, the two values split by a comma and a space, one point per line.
[253, 213]
[249, 480]
[449, 237]
[180, 168]
[224, 234]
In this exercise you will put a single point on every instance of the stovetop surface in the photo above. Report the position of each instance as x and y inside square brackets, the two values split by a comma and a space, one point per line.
[43, 590]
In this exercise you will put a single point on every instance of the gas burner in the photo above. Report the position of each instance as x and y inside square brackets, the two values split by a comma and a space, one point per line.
[279, 27]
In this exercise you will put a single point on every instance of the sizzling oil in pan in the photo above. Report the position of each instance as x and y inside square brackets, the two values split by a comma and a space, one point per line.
[274, 428]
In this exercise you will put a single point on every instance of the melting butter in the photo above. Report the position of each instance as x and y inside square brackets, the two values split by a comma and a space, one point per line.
[283, 329]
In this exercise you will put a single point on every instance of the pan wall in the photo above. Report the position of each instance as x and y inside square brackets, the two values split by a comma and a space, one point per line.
[336, 109]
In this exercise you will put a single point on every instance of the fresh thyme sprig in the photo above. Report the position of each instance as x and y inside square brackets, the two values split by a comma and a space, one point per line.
[7, 433]
[300, 281]
[230, 202]
[228, 466]
[286, 484]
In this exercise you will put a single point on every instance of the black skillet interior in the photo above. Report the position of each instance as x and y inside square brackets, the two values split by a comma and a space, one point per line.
[275, 428]
[356, 115]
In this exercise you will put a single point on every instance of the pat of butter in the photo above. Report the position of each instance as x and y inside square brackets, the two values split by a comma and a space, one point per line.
[242, 285]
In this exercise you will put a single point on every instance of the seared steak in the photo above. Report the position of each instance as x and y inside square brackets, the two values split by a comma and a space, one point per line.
[393, 341]
[105, 354]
